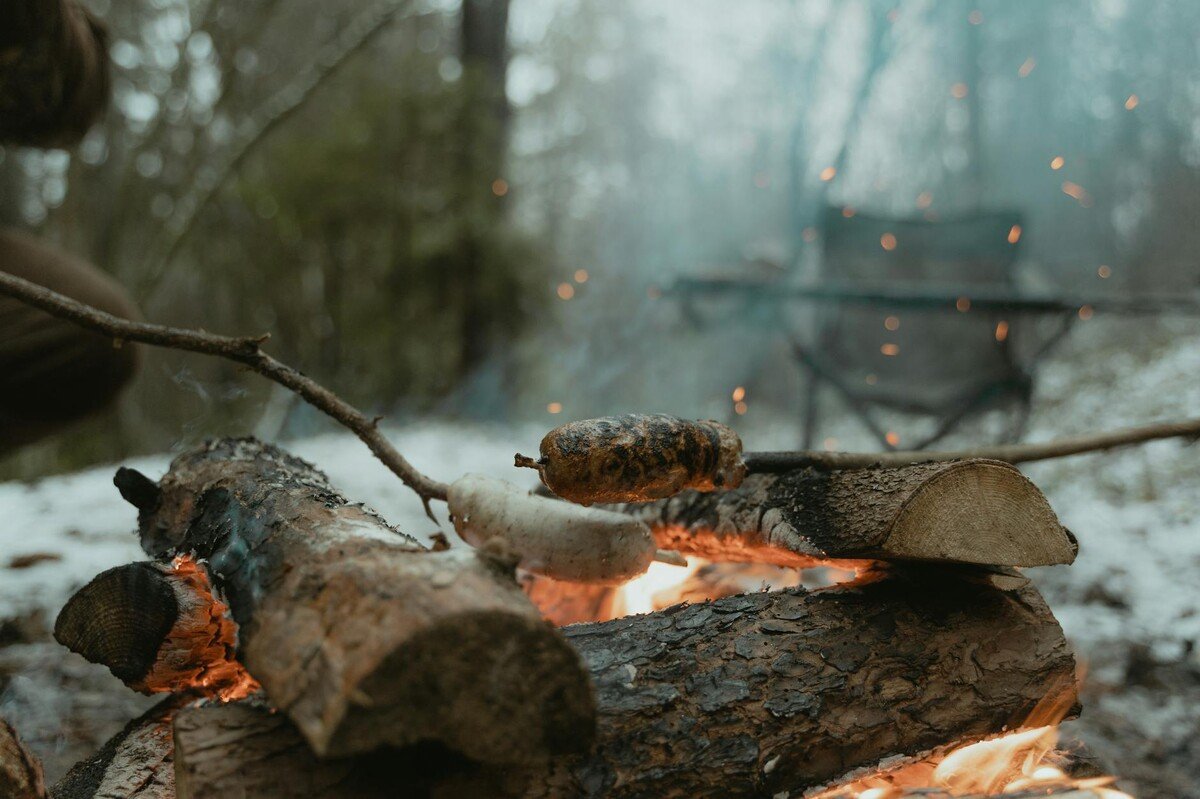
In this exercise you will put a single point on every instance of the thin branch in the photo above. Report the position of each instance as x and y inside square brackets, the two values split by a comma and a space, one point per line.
[274, 112]
[245, 350]
[1012, 453]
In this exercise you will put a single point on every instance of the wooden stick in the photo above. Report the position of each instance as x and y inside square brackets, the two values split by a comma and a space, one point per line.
[245, 350]
[774, 462]
[981, 512]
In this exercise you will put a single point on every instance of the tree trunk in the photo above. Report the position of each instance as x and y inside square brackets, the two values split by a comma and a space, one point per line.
[483, 145]
[354, 630]
[974, 511]
[751, 695]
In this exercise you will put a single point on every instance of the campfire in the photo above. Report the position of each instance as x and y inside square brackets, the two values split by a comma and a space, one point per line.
[302, 641]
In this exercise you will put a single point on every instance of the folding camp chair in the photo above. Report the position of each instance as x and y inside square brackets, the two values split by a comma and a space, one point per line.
[946, 364]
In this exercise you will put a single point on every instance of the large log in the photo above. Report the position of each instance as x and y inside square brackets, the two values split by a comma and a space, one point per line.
[358, 633]
[974, 511]
[751, 695]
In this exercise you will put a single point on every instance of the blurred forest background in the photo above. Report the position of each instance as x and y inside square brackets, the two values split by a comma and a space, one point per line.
[474, 210]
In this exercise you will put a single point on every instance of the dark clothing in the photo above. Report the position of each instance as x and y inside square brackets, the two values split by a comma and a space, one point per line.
[52, 371]
[54, 72]
[54, 84]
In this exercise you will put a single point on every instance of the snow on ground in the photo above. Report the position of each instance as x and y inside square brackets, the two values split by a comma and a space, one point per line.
[1131, 603]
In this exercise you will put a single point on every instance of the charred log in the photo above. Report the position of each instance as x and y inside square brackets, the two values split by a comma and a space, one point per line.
[751, 695]
[975, 511]
[361, 636]
[157, 627]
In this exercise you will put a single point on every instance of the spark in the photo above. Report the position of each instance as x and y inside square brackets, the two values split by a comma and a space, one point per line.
[554, 407]
[848, 212]
[1085, 312]
[892, 323]
[828, 173]
[963, 304]
[581, 276]
[1103, 271]
[887, 241]
[890, 349]
[565, 291]
[1057, 162]
[740, 408]
[1001, 330]
[1078, 192]
[1014, 234]
[1026, 67]
[1131, 102]
[958, 91]
[893, 438]
[739, 394]
[499, 187]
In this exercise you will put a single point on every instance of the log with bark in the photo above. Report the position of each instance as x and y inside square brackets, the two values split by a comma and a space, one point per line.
[750, 695]
[973, 511]
[354, 630]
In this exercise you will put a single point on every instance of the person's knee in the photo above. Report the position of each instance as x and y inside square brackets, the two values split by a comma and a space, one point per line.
[51, 370]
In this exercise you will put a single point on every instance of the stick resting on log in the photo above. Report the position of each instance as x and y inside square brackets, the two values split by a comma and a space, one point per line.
[751, 695]
[979, 512]
[355, 631]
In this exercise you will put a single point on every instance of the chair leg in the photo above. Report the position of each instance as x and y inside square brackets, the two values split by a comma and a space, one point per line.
[811, 397]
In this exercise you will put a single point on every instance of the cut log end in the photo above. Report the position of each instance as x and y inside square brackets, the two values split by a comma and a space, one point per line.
[158, 628]
[120, 619]
[979, 512]
[441, 685]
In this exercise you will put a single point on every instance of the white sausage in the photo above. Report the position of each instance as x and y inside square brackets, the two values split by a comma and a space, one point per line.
[552, 537]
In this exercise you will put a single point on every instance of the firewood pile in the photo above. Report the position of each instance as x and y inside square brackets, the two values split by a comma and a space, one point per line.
[308, 649]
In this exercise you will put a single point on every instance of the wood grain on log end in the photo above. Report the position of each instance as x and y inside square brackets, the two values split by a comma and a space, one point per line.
[20, 771]
[976, 511]
[158, 628]
[120, 619]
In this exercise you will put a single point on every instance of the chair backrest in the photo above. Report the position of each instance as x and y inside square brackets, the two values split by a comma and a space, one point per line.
[932, 359]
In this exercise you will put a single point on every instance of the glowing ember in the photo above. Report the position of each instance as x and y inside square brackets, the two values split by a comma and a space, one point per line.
[827, 173]
[210, 639]
[1014, 234]
[1027, 67]
[1020, 761]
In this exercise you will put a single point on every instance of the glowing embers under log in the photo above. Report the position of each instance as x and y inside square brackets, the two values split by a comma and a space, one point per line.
[203, 634]
[1024, 762]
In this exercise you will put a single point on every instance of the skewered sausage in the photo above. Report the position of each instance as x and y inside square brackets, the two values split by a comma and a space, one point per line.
[637, 457]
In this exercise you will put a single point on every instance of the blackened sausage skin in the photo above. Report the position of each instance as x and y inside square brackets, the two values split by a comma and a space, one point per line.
[638, 457]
